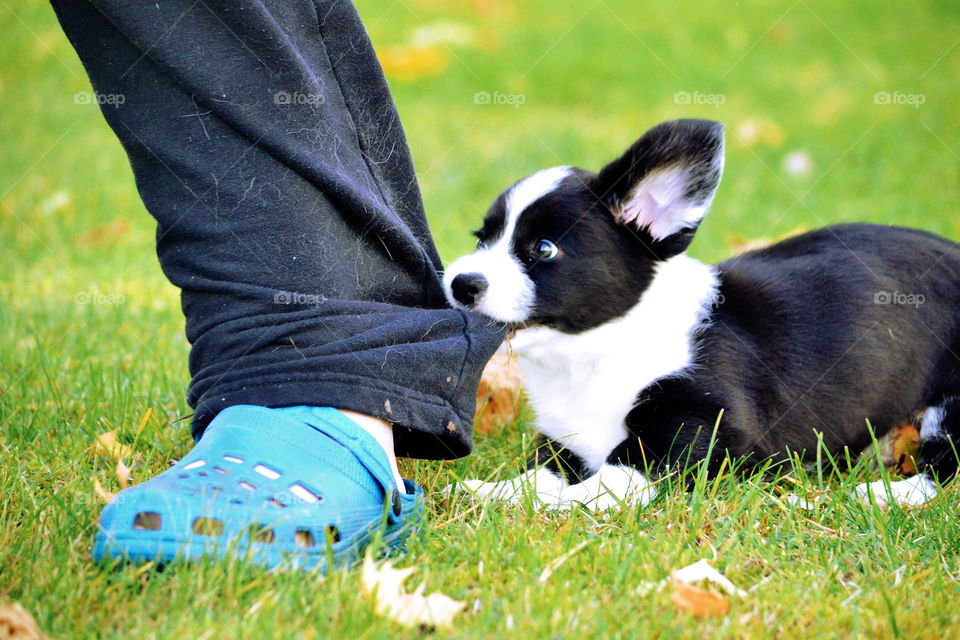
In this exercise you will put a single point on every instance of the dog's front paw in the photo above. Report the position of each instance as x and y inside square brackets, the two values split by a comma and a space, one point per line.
[912, 492]
[612, 486]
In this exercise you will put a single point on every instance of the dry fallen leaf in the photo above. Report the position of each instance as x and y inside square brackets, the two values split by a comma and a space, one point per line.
[100, 492]
[17, 624]
[904, 449]
[107, 444]
[702, 590]
[498, 396]
[699, 602]
[110, 231]
[758, 131]
[701, 571]
[385, 585]
[413, 61]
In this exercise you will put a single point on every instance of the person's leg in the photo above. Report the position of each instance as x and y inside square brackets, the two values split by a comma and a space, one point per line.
[264, 141]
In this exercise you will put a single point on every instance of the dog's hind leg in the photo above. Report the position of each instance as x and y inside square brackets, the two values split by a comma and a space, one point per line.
[936, 462]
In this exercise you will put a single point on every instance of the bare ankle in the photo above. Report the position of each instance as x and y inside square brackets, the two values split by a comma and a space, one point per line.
[382, 432]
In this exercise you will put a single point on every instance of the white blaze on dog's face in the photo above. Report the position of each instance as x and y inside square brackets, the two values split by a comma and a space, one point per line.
[570, 249]
[493, 280]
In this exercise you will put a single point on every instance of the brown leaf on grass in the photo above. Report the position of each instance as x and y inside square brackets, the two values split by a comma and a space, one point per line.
[699, 602]
[702, 590]
[384, 584]
[498, 396]
[904, 449]
[17, 624]
[105, 233]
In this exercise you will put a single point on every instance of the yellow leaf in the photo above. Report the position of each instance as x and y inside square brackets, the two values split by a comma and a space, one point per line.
[414, 61]
[385, 585]
[758, 131]
[108, 445]
[17, 624]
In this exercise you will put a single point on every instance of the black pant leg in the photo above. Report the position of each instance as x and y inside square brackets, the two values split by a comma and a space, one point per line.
[265, 143]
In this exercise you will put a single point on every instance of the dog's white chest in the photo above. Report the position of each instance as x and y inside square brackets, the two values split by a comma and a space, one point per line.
[582, 386]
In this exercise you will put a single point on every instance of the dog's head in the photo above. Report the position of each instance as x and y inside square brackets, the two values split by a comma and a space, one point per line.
[570, 249]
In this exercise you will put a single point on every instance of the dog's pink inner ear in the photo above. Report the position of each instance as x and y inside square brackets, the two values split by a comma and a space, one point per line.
[660, 203]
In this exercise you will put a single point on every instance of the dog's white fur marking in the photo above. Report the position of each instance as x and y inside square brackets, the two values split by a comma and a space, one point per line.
[583, 385]
[510, 293]
[611, 486]
[659, 202]
[912, 492]
[931, 425]
[529, 190]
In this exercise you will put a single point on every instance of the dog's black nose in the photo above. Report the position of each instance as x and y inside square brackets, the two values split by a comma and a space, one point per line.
[467, 287]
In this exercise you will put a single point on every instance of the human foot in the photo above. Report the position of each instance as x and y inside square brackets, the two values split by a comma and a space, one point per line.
[275, 485]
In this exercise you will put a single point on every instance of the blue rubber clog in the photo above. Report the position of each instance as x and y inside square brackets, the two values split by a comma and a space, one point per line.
[295, 486]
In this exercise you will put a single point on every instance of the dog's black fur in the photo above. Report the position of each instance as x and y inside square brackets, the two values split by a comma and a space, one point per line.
[803, 342]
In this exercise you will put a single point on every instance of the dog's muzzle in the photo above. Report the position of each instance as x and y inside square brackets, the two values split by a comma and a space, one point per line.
[468, 287]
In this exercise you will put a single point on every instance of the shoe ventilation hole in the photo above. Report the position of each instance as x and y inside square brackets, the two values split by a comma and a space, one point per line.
[267, 472]
[303, 538]
[220, 470]
[233, 459]
[276, 502]
[196, 464]
[208, 526]
[333, 534]
[261, 533]
[304, 494]
[246, 485]
[183, 476]
[147, 521]
[202, 474]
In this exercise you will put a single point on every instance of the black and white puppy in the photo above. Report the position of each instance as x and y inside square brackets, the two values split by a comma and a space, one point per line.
[632, 352]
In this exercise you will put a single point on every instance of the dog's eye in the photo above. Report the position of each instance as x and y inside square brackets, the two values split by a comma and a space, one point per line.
[545, 251]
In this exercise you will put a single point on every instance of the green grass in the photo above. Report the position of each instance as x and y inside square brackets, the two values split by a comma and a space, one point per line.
[593, 76]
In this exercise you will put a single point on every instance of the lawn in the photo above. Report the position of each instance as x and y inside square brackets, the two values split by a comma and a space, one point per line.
[835, 112]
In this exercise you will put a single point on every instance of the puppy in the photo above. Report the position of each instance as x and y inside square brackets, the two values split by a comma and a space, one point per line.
[640, 361]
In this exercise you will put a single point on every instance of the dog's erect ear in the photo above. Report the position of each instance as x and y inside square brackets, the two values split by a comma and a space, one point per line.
[665, 182]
